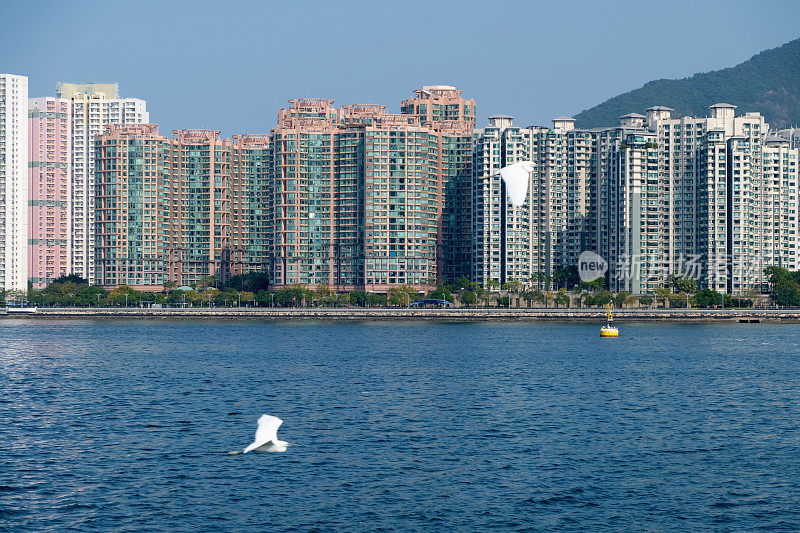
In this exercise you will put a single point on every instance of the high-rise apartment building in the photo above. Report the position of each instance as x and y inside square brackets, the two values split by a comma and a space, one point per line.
[711, 198]
[550, 229]
[776, 206]
[49, 171]
[492, 212]
[13, 182]
[130, 208]
[92, 107]
[179, 209]
[365, 199]
[197, 224]
[251, 210]
[355, 203]
[716, 188]
[632, 208]
[305, 205]
[443, 109]
[402, 204]
[361, 199]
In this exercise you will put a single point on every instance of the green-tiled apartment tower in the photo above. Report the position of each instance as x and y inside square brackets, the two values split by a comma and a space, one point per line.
[182, 209]
[129, 197]
[367, 200]
[251, 213]
[348, 253]
[401, 204]
[303, 197]
[444, 110]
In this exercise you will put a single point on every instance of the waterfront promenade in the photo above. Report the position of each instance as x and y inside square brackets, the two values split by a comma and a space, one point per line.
[458, 315]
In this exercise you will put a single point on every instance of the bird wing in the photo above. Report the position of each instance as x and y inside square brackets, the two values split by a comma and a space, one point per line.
[267, 431]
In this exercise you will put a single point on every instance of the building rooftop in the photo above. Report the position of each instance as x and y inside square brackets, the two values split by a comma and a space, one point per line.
[69, 90]
[438, 87]
[132, 129]
[729, 106]
[636, 129]
[659, 108]
[633, 115]
[196, 135]
[437, 91]
[564, 117]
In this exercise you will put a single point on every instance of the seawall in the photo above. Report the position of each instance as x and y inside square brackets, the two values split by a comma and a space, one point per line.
[456, 315]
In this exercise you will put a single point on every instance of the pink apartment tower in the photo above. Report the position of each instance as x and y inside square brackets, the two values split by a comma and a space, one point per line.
[49, 189]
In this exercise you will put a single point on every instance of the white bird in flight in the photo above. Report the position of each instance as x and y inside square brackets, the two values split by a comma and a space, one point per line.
[516, 178]
[267, 436]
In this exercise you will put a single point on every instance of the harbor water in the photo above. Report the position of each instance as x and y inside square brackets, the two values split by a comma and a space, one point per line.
[398, 426]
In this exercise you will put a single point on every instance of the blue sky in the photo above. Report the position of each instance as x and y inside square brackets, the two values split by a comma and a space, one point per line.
[231, 65]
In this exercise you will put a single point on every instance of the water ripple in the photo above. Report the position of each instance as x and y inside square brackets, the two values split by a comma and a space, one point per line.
[125, 425]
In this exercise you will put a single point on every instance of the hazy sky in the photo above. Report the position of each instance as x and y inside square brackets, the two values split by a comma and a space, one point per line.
[231, 64]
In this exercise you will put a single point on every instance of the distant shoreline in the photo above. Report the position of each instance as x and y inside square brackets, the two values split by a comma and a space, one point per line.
[440, 315]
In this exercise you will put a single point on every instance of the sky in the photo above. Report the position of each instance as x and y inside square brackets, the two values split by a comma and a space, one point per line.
[230, 65]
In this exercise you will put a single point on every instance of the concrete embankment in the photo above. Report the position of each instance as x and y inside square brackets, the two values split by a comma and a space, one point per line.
[456, 315]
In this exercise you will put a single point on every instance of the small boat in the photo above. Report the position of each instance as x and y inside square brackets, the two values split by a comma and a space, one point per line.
[608, 330]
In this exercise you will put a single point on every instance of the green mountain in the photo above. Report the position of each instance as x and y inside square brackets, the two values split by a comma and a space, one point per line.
[768, 83]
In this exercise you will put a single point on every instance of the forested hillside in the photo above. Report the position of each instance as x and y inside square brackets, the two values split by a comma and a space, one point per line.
[768, 82]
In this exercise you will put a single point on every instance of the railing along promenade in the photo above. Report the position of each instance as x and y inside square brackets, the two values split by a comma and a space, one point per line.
[455, 314]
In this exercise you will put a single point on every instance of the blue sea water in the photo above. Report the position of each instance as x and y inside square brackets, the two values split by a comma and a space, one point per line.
[125, 424]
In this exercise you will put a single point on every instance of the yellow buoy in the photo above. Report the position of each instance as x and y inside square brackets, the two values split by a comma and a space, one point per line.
[608, 330]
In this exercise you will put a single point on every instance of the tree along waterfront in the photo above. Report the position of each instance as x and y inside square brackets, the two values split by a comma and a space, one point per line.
[538, 292]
